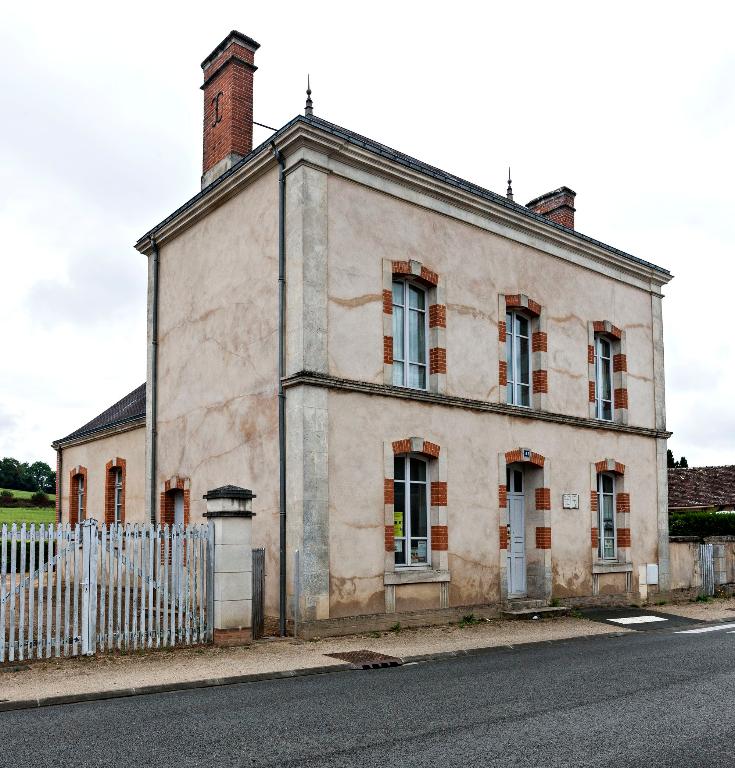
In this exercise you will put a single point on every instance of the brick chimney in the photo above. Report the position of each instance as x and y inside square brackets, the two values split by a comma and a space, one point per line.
[228, 104]
[557, 206]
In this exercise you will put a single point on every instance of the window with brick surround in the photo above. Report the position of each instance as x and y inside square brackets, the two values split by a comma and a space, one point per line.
[607, 528]
[81, 495]
[518, 359]
[115, 491]
[78, 486]
[410, 335]
[603, 378]
[411, 511]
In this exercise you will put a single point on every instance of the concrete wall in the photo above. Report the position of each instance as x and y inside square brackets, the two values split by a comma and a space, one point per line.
[217, 411]
[94, 455]
[471, 441]
[474, 266]
[685, 569]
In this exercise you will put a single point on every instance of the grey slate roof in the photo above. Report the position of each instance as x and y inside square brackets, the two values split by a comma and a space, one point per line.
[408, 162]
[130, 408]
[702, 487]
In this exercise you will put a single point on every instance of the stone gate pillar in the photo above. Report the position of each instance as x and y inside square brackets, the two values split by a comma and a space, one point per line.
[230, 593]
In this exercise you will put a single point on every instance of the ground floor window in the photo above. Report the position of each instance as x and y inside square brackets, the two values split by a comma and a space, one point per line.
[607, 548]
[411, 511]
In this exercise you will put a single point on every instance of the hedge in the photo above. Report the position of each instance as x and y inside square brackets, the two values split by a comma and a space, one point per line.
[702, 522]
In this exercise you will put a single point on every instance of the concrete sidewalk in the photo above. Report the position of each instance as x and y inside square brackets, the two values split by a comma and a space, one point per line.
[39, 680]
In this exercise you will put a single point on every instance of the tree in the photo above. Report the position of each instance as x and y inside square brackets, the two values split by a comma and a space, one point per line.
[41, 477]
[11, 474]
[670, 461]
[683, 463]
[21, 476]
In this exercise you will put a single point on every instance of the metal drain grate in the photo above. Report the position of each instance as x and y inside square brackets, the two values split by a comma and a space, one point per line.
[367, 659]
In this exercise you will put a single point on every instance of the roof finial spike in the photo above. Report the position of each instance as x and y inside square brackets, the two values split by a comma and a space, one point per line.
[309, 108]
[509, 191]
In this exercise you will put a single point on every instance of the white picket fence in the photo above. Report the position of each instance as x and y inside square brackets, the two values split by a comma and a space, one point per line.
[71, 590]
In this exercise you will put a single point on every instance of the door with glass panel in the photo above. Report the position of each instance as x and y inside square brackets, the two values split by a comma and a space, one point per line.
[411, 511]
[516, 533]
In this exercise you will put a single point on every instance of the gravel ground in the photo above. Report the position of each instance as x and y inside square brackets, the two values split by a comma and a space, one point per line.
[111, 672]
[718, 609]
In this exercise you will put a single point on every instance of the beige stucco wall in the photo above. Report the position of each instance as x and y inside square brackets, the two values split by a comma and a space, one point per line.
[471, 442]
[94, 455]
[217, 413]
[366, 226]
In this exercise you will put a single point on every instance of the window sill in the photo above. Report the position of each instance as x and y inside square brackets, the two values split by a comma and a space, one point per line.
[414, 576]
[602, 566]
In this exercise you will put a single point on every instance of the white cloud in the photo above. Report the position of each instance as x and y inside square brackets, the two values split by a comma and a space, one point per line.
[631, 105]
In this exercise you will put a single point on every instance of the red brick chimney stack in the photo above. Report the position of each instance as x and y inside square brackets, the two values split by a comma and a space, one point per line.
[228, 104]
[557, 206]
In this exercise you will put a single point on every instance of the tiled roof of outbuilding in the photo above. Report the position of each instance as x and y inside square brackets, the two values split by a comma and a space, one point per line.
[702, 487]
[130, 408]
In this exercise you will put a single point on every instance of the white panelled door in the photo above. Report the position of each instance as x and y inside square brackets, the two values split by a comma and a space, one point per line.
[517, 534]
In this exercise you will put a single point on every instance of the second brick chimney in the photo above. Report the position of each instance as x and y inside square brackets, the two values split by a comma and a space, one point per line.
[557, 206]
[228, 104]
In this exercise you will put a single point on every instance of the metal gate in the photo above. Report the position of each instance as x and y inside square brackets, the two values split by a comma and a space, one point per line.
[707, 568]
[71, 590]
[258, 616]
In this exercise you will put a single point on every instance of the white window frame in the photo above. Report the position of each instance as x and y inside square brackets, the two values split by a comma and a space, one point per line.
[118, 485]
[514, 387]
[80, 498]
[407, 534]
[600, 513]
[599, 378]
[405, 336]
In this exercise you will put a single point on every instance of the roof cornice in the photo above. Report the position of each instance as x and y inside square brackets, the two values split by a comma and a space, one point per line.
[96, 434]
[340, 150]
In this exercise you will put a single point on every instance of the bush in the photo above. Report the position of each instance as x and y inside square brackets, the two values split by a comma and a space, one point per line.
[6, 494]
[40, 499]
[702, 522]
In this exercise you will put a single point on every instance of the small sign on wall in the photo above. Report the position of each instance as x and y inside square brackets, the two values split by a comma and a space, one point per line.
[570, 501]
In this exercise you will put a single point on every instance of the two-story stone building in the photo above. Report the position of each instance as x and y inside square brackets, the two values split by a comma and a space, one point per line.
[472, 391]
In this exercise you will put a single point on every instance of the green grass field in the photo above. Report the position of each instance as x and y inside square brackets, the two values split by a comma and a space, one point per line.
[28, 494]
[20, 515]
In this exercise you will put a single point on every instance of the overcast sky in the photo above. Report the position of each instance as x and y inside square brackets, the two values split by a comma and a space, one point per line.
[630, 104]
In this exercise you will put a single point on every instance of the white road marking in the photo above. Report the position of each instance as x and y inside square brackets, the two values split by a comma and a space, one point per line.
[638, 619]
[705, 629]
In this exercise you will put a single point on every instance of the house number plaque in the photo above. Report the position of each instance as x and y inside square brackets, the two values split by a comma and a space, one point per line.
[570, 501]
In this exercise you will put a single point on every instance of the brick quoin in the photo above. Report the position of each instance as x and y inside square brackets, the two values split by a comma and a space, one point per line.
[503, 533]
[539, 341]
[390, 542]
[502, 331]
[620, 363]
[543, 498]
[622, 502]
[515, 301]
[593, 501]
[619, 468]
[540, 381]
[543, 537]
[590, 354]
[388, 350]
[511, 457]
[594, 537]
[389, 492]
[503, 373]
[623, 537]
[228, 99]
[437, 360]
[402, 446]
[429, 276]
[401, 268]
[599, 327]
[502, 496]
[387, 302]
[431, 449]
[437, 316]
[621, 398]
[438, 493]
[601, 466]
[592, 391]
[439, 538]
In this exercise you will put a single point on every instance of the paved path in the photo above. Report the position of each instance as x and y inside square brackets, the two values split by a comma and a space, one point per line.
[650, 698]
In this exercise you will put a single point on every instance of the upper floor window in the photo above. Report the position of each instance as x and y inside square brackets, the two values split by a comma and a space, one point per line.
[411, 511]
[603, 378]
[518, 357]
[607, 547]
[118, 480]
[410, 332]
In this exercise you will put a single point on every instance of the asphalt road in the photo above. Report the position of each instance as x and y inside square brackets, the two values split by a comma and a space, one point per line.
[650, 698]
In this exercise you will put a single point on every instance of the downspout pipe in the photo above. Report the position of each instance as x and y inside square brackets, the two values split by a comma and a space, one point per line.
[281, 394]
[153, 381]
